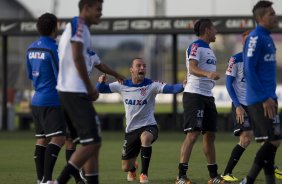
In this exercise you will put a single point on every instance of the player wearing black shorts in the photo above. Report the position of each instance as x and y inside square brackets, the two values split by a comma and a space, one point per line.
[138, 94]
[200, 114]
[259, 55]
[77, 93]
[236, 87]
[42, 67]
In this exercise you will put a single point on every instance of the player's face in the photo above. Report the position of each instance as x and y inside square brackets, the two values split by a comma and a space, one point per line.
[212, 32]
[94, 13]
[269, 20]
[138, 70]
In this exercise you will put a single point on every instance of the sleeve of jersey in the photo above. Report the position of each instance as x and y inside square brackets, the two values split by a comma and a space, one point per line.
[231, 91]
[252, 55]
[231, 68]
[78, 32]
[194, 52]
[55, 64]
[173, 89]
[93, 57]
[29, 69]
[103, 88]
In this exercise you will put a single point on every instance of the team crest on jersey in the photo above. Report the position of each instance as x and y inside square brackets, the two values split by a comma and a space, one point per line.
[143, 91]
[230, 64]
[194, 49]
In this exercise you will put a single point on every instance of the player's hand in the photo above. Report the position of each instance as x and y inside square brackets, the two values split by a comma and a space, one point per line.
[103, 78]
[120, 78]
[269, 107]
[93, 94]
[213, 75]
[240, 114]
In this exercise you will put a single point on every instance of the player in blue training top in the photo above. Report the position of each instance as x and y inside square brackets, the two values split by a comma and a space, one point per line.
[42, 66]
[259, 56]
[200, 114]
[138, 94]
[236, 87]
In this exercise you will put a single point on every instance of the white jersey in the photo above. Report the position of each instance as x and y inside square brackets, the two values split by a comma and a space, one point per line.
[69, 79]
[236, 69]
[139, 102]
[201, 52]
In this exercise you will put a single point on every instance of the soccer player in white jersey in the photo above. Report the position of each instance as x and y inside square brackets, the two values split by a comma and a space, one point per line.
[76, 91]
[236, 87]
[138, 94]
[200, 114]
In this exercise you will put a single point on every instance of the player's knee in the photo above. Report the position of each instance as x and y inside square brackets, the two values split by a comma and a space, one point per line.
[192, 137]
[245, 140]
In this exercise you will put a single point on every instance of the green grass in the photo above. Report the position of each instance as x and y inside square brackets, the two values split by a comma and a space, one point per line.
[159, 108]
[17, 165]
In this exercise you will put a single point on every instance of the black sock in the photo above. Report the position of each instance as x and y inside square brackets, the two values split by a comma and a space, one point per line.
[68, 154]
[133, 169]
[39, 154]
[250, 180]
[259, 161]
[66, 173]
[234, 158]
[212, 170]
[269, 163]
[146, 153]
[51, 155]
[182, 169]
[93, 179]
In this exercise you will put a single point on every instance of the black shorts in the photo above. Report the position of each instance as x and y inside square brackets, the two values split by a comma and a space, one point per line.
[48, 121]
[200, 113]
[81, 118]
[264, 129]
[132, 142]
[245, 126]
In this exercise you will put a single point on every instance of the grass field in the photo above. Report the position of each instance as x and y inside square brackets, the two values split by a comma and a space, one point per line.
[17, 165]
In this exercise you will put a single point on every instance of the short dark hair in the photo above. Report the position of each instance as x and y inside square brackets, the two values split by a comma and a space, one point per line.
[46, 24]
[201, 25]
[82, 3]
[259, 8]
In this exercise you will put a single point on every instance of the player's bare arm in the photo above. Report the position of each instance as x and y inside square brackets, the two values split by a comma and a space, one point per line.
[106, 69]
[195, 70]
[78, 58]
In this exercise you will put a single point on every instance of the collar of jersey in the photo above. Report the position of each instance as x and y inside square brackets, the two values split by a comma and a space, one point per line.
[146, 82]
[263, 30]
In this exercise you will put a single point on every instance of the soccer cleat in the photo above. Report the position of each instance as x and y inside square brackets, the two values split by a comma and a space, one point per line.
[183, 180]
[244, 181]
[131, 176]
[229, 177]
[278, 173]
[217, 180]
[143, 178]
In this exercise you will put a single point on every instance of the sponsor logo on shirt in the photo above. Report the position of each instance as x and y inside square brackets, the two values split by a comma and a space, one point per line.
[270, 57]
[211, 61]
[135, 102]
[36, 55]
[194, 49]
[252, 46]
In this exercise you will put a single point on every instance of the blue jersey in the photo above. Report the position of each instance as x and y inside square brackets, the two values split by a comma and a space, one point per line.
[260, 66]
[42, 67]
[235, 80]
